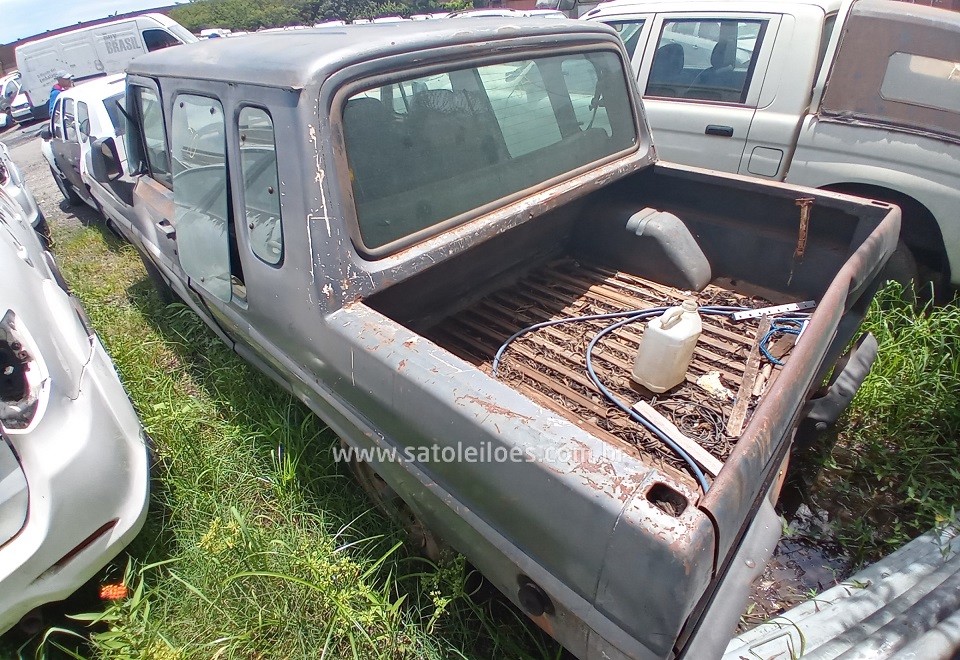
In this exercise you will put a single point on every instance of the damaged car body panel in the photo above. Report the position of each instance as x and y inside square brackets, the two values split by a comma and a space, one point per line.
[367, 214]
[73, 462]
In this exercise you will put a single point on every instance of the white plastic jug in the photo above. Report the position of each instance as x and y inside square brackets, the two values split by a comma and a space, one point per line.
[667, 348]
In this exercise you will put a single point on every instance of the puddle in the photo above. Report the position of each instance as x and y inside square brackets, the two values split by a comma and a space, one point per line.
[805, 563]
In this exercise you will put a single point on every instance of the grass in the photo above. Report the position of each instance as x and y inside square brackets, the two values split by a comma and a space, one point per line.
[257, 545]
[893, 471]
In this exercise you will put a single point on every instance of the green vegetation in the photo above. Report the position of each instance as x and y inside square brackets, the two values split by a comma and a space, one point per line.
[257, 543]
[255, 14]
[893, 472]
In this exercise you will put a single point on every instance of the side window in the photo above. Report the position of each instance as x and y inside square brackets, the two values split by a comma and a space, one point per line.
[261, 185]
[58, 119]
[83, 120]
[200, 192]
[113, 105]
[69, 121]
[629, 32]
[829, 23]
[707, 59]
[154, 135]
[158, 39]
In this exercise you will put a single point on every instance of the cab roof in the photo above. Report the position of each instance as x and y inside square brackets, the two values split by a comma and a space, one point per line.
[296, 58]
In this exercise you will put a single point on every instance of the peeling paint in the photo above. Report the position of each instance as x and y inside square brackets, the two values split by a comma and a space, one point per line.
[493, 408]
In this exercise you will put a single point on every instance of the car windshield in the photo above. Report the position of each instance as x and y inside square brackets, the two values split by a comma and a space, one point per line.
[424, 151]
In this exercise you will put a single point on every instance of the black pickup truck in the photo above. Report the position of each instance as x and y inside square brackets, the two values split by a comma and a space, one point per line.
[377, 215]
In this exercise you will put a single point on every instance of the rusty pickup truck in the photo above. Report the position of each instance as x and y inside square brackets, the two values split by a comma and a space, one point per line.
[444, 238]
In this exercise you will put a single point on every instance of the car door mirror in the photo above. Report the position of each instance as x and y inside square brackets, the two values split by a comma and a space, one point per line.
[45, 133]
[105, 161]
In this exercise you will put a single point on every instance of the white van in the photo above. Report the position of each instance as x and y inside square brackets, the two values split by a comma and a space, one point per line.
[92, 51]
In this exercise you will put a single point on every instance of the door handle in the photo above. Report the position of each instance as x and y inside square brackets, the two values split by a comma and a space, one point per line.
[717, 129]
[167, 229]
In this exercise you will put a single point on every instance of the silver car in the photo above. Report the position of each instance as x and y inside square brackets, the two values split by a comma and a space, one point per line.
[73, 456]
[13, 183]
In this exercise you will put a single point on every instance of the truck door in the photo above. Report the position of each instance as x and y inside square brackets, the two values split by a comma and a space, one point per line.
[228, 218]
[701, 75]
[153, 227]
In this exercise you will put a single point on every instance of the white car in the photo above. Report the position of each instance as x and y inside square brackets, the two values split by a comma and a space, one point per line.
[20, 109]
[73, 457]
[81, 115]
[13, 183]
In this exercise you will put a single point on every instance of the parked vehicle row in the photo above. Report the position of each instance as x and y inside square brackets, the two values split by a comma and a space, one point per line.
[458, 187]
[81, 115]
[856, 97]
[73, 457]
[367, 216]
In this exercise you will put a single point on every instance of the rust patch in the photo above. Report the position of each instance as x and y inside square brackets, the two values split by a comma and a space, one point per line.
[493, 408]
[543, 622]
[402, 365]
[804, 203]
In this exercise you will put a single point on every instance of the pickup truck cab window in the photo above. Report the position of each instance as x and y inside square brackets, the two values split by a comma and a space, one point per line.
[199, 168]
[706, 59]
[261, 185]
[424, 151]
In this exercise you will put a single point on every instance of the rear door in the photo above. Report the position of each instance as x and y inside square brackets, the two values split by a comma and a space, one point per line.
[154, 222]
[66, 144]
[227, 213]
[701, 77]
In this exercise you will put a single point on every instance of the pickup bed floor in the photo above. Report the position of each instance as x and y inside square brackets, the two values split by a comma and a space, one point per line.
[548, 364]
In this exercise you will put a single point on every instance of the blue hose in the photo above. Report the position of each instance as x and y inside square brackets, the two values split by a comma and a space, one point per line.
[627, 317]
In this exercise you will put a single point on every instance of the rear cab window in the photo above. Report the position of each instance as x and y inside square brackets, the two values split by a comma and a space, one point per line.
[430, 152]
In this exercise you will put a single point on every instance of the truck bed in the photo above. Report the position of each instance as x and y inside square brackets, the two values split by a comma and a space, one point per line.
[548, 365]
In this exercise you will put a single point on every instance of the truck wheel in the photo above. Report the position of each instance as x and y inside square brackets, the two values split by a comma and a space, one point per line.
[68, 192]
[419, 537]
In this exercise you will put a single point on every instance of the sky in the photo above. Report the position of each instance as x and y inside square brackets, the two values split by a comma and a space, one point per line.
[25, 18]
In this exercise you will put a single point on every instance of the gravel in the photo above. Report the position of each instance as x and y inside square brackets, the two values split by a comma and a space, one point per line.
[24, 142]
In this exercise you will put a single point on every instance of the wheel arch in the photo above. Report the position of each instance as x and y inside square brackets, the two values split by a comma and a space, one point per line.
[919, 229]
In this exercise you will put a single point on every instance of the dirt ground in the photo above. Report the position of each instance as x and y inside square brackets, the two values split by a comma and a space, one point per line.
[24, 142]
